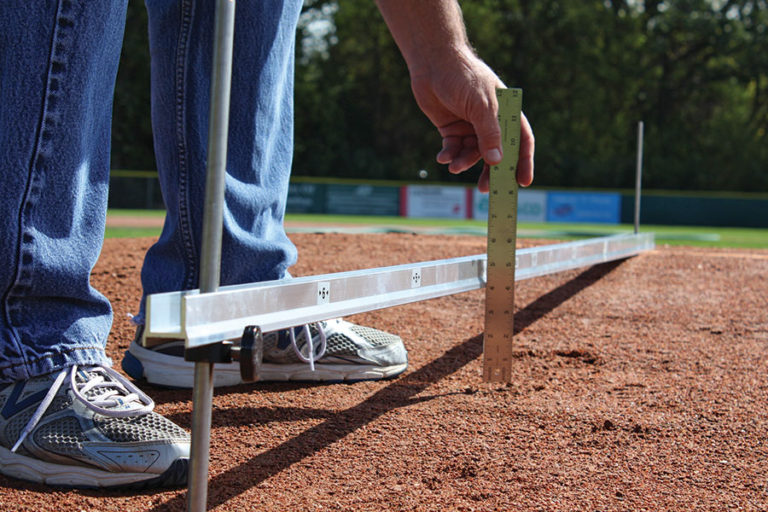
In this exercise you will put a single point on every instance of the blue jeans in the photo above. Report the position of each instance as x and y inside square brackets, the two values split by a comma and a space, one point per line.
[58, 62]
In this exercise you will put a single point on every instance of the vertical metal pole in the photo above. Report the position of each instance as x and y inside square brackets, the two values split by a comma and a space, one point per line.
[638, 174]
[202, 400]
[210, 260]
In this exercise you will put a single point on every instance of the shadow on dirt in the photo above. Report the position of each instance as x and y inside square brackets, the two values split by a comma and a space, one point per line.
[399, 393]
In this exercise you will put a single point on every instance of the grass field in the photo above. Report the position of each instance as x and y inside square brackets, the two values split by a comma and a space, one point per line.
[672, 235]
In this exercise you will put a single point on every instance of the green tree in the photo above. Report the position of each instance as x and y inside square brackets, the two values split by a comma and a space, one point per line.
[355, 114]
[132, 146]
[694, 70]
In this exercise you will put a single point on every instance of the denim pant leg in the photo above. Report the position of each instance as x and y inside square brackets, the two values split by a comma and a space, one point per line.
[58, 62]
[255, 246]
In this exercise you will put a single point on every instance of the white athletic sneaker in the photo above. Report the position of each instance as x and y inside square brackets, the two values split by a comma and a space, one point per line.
[343, 352]
[88, 427]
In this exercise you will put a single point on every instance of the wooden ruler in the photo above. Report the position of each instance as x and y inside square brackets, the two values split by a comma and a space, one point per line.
[502, 237]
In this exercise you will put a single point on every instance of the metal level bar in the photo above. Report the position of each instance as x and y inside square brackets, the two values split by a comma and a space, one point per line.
[203, 319]
[210, 260]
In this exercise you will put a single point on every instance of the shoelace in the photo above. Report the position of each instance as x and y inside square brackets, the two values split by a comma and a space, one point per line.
[310, 345]
[117, 396]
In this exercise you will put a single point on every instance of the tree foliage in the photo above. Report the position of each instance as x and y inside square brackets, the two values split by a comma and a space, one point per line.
[132, 146]
[695, 71]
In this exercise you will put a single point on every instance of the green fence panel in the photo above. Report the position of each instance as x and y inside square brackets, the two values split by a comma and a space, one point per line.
[671, 210]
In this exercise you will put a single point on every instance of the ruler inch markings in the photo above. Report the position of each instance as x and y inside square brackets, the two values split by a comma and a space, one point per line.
[502, 239]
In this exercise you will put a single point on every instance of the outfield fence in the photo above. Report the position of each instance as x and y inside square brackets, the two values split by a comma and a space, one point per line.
[141, 190]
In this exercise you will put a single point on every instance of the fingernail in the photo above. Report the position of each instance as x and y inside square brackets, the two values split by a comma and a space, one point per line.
[493, 155]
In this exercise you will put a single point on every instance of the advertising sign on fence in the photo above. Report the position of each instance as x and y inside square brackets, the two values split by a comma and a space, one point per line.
[306, 198]
[362, 200]
[434, 201]
[531, 206]
[598, 207]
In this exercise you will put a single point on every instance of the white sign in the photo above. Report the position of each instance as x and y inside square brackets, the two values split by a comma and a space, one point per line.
[434, 201]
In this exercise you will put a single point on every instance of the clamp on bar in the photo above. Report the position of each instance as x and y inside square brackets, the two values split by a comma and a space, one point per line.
[250, 353]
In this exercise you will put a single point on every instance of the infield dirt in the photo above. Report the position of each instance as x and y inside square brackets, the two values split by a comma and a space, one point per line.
[638, 385]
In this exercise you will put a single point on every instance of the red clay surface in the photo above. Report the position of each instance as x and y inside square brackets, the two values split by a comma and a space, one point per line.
[638, 385]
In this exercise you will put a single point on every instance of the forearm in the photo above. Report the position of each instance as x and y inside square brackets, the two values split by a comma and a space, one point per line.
[426, 31]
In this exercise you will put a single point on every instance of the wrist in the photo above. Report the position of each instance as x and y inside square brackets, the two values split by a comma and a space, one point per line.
[431, 61]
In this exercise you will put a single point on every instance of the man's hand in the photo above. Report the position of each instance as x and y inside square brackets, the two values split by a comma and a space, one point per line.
[459, 97]
[453, 87]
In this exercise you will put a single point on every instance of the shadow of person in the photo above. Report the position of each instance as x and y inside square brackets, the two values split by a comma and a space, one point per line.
[399, 393]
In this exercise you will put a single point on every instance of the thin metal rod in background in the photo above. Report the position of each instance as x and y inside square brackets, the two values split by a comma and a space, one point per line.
[638, 174]
[210, 257]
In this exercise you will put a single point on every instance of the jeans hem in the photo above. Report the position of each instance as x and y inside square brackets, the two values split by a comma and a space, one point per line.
[85, 356]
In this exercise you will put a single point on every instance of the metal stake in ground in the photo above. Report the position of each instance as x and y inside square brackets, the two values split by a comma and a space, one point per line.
[502, 237]
[638, 174]
[210, 261]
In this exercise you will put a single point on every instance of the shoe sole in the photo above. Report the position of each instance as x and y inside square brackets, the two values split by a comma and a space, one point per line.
[80, 477]
[172, 371]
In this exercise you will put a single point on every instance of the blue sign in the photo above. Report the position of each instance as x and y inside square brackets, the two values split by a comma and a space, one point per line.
[596, 207]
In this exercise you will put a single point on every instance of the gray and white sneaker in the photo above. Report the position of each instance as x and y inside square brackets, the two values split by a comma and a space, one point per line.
[342, 352]
[88, 427]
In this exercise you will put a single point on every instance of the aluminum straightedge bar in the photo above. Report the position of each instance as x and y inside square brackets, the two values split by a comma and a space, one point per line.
[203, 319]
